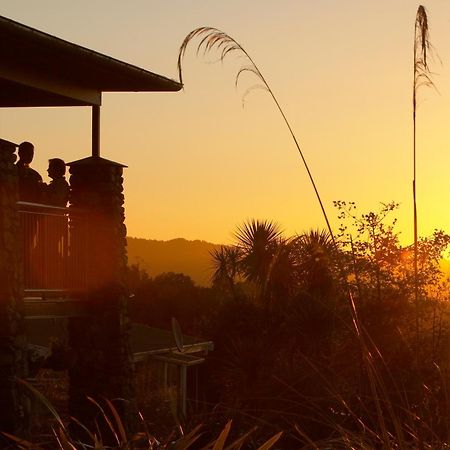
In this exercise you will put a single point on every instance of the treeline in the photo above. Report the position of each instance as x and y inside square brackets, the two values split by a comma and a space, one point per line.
[323, 340]
[177, 255]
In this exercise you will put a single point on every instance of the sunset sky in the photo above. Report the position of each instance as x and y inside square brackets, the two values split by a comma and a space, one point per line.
[200, 163]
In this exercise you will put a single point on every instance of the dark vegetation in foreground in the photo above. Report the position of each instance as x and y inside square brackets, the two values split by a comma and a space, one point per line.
[293, 354]
[315, 346]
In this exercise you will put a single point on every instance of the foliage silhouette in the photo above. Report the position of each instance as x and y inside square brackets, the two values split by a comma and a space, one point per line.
[301, 368]
[225, 267]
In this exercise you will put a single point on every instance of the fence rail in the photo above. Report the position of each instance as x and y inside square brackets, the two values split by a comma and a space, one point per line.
[53, 258]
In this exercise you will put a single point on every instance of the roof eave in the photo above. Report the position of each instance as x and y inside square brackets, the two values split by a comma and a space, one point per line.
[71, 74]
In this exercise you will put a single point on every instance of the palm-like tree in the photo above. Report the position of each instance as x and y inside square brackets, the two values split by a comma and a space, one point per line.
[316, 259]
[279, 268]
[226, 266]
[283, 277]
[258, 241]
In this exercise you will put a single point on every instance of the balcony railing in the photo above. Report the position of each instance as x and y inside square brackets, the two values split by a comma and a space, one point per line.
[54, 260]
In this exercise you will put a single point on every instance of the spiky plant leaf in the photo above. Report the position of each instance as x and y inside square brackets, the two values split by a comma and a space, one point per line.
[271, 442]
[238, 443]
[118, 420]
[63, 440]
[220, 442]
[83, 427]
[43, 400]
[22, 444]
[106, 417]
[98, 444]
[188, 439]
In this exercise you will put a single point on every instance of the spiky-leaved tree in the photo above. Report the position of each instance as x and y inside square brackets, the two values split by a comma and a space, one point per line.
[279, 268]
[226, 267]
[258, 241]
[316, 257]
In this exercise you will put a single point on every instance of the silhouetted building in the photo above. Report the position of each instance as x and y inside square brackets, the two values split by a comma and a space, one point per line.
[38, 69]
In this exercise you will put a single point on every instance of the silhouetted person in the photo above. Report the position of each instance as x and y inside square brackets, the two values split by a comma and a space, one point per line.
[56, 193]
[30, 190]
[30, 182]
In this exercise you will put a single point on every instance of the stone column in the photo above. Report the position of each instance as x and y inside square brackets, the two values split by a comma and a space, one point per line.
[13, 362]
[103, 360]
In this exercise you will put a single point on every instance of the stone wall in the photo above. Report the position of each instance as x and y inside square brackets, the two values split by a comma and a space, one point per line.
[103, 365]
[13, 363]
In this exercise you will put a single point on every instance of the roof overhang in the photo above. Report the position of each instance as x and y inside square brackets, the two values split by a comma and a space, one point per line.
[38, 69]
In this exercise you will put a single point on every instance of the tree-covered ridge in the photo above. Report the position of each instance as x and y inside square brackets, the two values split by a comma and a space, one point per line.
[177, 255]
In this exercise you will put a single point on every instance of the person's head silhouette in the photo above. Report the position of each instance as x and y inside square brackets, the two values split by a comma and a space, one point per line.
[56, 168]
[26, 152]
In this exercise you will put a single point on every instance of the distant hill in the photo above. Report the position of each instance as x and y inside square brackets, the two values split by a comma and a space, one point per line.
[177, 255]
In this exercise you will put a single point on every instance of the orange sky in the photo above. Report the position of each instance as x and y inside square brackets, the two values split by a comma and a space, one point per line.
[200, 164]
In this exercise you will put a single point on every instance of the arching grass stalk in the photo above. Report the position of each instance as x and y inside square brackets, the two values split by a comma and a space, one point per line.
[422, 77]
[213, 39]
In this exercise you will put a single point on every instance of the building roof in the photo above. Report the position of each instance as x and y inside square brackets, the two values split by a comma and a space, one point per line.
[38, 69]
[148, 341]
[8, 143]
[145, 341]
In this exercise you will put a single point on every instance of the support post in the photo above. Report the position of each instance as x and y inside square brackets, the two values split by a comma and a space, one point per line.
[103, 366]
[96, 131]
[14, 409]
[183, 390]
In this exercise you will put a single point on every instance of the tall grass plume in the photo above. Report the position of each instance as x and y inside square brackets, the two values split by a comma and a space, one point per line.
[422, 77]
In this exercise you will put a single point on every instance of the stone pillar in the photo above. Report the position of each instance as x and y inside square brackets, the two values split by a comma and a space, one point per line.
[103, 360]
[13, 362]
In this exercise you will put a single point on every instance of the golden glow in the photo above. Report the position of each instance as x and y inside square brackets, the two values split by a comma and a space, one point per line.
[199, 164]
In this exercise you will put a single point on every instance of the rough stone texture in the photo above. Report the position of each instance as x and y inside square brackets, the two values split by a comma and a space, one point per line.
[14, 410]
[103, 367]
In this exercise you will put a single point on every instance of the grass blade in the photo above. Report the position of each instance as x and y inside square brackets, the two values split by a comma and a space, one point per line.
[43, 400]
[107, 419]
[22, 443]
[220, 443]
[271, 442]
[118, 420]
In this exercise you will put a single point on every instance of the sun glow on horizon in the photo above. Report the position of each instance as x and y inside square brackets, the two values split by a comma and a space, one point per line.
[200, 164]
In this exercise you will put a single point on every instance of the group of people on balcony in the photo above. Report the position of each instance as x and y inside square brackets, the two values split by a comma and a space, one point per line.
[31, 186]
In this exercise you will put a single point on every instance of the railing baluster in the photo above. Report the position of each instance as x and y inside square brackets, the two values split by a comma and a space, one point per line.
[53, 258]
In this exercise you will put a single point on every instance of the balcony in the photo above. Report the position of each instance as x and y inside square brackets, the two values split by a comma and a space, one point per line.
[55, 261]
